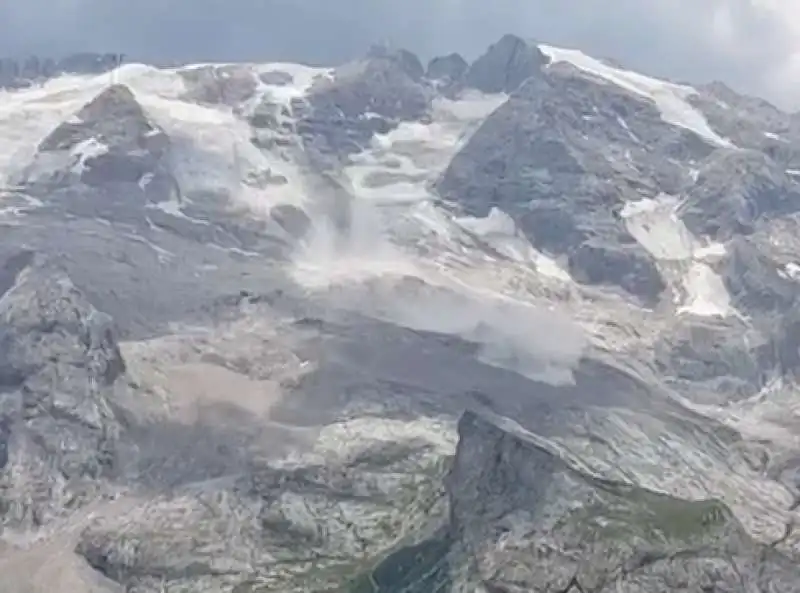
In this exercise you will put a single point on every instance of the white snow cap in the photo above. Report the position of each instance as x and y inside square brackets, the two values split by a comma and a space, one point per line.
[669, 98]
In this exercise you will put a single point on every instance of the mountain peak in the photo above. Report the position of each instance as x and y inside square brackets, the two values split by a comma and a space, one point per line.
[506, 65]
[60, 363]
[109, 140]
[452, 67]
[408, 61]
[557, 527]
[113, 115]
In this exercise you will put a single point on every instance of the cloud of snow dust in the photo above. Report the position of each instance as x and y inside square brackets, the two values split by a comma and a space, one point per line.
[539, 344]
[374, 276]
[347, 241]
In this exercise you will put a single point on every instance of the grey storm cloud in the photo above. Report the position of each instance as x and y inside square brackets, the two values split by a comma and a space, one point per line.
[754, 45]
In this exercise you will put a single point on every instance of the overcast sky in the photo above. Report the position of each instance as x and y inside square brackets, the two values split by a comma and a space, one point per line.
[751, 44]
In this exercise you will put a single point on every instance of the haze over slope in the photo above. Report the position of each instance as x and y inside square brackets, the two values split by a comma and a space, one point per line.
[524, 323]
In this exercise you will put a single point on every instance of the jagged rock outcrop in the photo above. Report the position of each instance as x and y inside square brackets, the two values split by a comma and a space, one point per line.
[506, 65]
[524, 517]
[451, 68]
[363, 98]
[59, 367]
[406, 60]
[108, 143]
[751, 122]
[220, 85]
[303, 526]
[754, 281]
[735, 190]
[715, 360]
[557, 170]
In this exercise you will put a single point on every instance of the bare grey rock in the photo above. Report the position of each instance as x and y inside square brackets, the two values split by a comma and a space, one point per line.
[406, 60]
[716, 360]
[220, 85]
[451, 68]
[363, 98]
[754, 280]
[734, 190]
[751, 122]
[61, 365]
[110, 145]
[505, 65]
[525, 518]
[304, 527]
[536, 159]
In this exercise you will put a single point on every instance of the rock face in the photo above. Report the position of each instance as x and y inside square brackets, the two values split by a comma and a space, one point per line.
[306, 526]
[60, 367]
[364, 98]
[109, 146]
[755, 284]
[524, 518]
[405, 60]
[535, 158]
[451, 68]
[226, 85]
[506, 65]
[736, 189]
[722, 360]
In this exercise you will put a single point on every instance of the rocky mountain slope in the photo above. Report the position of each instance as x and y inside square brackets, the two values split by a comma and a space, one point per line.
[524, 324]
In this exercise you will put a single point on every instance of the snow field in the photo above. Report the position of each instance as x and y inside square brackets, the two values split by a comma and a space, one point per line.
[655, 224]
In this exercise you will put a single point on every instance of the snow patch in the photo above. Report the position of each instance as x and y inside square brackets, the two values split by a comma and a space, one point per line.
[390, 180]
[499, 231]
[19, 205]
[145, 180]
[669, 98]
[790, 271]
[28, 116]
[212, 148]
[710, 251]
[163, 255]
[83, 151]
[411, 155]
[434, 219]
[496, 222]
[627, 128]
[655, 225]
[174, 208]
[772, 136]
[707, 295]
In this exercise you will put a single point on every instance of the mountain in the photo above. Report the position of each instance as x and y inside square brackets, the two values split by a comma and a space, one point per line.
[522, 324]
